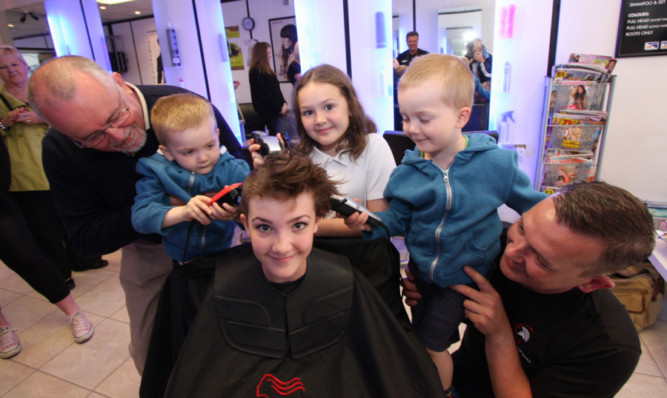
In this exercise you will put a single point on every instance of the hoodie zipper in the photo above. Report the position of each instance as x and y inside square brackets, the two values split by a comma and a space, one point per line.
[191, 182]
[448, 206]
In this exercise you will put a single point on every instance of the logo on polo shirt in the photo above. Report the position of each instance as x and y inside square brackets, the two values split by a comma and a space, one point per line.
[522, 333]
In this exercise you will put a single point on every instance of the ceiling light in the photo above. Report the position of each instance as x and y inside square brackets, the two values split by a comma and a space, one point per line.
[11, 25]
[109, 2]
[103, 7]
[137, 12]
[25, 16]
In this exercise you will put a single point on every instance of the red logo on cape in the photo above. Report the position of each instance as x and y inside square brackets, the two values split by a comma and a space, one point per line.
[270, 383]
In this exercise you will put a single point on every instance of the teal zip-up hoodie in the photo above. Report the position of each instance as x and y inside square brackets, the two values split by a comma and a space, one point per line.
[163, 178]
[449, 217]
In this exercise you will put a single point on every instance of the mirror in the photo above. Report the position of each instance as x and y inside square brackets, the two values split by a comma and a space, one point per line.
[446, 27]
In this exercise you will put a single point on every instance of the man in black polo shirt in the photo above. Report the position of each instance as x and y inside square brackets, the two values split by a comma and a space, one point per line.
[545, 324]
[413, 50]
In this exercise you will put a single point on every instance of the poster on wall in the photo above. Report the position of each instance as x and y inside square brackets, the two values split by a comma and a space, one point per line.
[282, 49]
[642, 29]
[157, 72]
[234, 47]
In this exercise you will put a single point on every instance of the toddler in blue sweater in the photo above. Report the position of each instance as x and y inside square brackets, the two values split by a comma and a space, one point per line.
[189, 164]
[444, 197]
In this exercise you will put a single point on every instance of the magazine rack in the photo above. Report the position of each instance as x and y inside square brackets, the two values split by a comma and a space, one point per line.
[572, 144]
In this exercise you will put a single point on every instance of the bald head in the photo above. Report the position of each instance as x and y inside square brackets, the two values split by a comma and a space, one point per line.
[81, 100]
[60, 79]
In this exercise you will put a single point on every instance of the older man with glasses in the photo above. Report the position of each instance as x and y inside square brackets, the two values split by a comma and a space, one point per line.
[100, 126]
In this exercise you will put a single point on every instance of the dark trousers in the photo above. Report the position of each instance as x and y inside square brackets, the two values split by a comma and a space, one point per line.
[43, 222]
[20, 253]
[271, 122]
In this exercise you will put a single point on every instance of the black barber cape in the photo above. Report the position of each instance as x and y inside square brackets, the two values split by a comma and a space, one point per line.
[330, 336]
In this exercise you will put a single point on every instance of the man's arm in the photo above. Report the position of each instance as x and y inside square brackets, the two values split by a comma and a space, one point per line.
[484, 308]
[93, 224]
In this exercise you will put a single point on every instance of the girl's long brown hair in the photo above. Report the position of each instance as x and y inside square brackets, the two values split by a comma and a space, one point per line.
[259, 59]
[361, 125]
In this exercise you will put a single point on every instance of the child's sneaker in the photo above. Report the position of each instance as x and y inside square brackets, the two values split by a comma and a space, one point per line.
[82, 329]
[9, 343]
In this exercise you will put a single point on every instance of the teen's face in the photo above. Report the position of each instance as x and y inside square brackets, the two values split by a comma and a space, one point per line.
[281, 233]
[13, 71]
[545, 256]
[433, 125]
[325, 115]
[196, 149]
[114, 110]
[268, 53]
[287, 43]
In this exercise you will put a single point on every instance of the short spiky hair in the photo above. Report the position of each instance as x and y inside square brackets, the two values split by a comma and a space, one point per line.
[611, 215]
[453, 75]
[286, 176]
[179, 112]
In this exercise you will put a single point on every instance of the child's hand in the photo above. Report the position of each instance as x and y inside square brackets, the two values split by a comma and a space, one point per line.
[198, 209]
[257, 158]
[225, 212]
[357, 222]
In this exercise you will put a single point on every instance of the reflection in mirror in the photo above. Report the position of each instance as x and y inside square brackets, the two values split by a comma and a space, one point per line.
[447, 27]
[455, 29]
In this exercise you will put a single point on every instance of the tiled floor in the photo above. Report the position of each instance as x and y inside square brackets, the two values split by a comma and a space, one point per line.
[51, 364]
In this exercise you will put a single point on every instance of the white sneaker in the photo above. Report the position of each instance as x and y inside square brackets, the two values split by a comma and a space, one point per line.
[82, 329]
[9, 343]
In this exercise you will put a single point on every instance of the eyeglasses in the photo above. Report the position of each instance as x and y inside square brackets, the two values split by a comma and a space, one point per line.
[97, 137]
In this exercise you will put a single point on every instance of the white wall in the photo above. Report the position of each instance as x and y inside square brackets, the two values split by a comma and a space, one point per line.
[372, 69]
[133, 39]
[636, 144]
[526, 56]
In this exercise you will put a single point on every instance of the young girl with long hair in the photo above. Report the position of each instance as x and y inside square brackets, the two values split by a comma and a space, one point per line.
[336, 134]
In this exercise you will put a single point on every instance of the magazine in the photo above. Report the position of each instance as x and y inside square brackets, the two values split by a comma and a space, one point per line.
[575, 129]
[565, 166]
[576, 116]
[607, 62]
[573, 95]
[582, 72]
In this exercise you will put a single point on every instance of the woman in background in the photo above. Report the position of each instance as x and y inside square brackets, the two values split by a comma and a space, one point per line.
[267, 99]
[22, 132]
[20, 253]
